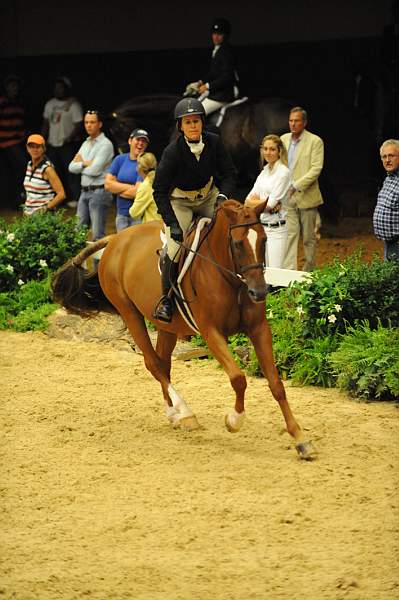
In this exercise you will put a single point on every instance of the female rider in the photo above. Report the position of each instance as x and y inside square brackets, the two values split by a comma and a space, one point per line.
[184, 186]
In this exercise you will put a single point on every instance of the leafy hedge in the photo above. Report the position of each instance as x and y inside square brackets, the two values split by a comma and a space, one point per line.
[31, 248]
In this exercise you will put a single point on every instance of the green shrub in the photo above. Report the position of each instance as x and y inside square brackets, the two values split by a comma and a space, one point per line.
[312, 366]
[31, 246]
[27, 308]
[341, 294]
[366, 363]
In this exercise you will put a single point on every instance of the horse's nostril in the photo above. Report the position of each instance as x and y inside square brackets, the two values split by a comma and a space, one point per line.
[258, 295]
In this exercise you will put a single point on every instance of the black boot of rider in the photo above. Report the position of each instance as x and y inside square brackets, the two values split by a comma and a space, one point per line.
[164, 308]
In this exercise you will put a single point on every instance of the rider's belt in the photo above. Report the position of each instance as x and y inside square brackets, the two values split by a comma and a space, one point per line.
[91, 188]
[193, 194]
[276, 224]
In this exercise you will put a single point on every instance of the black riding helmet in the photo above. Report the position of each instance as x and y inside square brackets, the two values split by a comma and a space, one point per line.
[221, 25]
[188, 106]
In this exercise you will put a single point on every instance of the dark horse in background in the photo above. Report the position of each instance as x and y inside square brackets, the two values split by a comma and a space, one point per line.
[224, 287]
[242, 128]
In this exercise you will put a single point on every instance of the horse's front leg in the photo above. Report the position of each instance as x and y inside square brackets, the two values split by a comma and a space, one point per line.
[261, 338]
[219, 348]
[176, 410]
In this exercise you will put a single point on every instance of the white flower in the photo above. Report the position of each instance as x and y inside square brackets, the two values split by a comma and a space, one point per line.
[42, 263]
[300, 310]
[21, 282]
[270, 314]
[10, 237]
[332, 318]
[338, 307]
[10, 268]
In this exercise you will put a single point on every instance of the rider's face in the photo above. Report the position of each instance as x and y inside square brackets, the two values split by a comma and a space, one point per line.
[191, 126]
[217, 38]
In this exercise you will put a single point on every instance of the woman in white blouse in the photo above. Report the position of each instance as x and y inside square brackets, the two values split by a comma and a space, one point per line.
[272, 184]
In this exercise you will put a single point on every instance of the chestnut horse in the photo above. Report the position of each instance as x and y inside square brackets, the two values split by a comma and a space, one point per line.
[224, 287]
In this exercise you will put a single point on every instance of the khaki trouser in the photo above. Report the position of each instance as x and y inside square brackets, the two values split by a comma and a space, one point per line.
[301, 220]
[185, 209]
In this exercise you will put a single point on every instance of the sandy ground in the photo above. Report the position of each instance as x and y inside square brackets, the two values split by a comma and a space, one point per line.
[102, 499]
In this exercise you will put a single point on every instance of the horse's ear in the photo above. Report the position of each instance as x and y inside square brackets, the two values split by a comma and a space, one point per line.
[230, 207]
[260, 208]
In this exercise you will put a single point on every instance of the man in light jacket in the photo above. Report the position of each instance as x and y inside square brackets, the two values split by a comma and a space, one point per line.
[305, 161]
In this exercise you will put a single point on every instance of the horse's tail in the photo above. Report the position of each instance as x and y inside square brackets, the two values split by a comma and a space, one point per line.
[77, 289]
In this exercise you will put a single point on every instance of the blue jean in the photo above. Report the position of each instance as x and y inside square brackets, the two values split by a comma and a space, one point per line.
[391, 250]
[124, 221]
[92, 210]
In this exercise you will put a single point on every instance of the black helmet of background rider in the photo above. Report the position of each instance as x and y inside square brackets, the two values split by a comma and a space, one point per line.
[188, 106]
[221, 25]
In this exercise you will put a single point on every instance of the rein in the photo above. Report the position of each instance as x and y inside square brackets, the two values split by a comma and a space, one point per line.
[237, 274]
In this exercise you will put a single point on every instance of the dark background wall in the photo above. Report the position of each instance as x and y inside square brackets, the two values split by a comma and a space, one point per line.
[307, 51]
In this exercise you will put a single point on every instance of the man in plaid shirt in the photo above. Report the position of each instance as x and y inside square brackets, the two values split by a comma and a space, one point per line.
[386, 213]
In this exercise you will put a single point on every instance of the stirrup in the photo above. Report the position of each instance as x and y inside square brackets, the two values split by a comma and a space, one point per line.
[164, 309]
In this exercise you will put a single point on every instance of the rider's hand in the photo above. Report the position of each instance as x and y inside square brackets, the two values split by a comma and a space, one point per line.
[176, 232]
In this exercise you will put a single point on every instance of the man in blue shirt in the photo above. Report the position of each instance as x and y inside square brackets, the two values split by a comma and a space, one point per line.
[386, 212]
[91, 162]
[123, 179]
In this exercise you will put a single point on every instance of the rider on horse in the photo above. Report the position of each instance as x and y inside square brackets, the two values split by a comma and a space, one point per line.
[184, 186]
[220, 84]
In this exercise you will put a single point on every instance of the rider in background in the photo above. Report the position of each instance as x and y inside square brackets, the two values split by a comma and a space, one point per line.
[220, 84]
[184, 186]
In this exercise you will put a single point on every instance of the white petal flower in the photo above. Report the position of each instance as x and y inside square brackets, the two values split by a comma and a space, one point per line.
[338, 307]
[10, 268]
[270, 314]
[332, 318]
[42, 263]
[21, 282]
[10, 237]
[300, 310]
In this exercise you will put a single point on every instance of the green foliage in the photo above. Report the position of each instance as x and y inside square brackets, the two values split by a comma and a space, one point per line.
[341, 294]
[31, 246]
[26, 308]
[366, 363]
[312, 365]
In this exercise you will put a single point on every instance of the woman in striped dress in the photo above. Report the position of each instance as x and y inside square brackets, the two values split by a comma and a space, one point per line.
[43, 187]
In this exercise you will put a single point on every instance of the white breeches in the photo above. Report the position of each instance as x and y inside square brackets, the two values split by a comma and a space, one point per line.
[211, 106]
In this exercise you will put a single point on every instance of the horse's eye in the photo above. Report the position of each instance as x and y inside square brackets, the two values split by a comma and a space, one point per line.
[238, 244]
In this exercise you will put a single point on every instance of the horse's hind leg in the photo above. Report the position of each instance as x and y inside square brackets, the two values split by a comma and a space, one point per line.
[176, 409]
[262, 340]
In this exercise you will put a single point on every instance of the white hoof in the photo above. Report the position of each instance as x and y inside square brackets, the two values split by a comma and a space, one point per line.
[189, 423]
[172, 414]
[234, 421]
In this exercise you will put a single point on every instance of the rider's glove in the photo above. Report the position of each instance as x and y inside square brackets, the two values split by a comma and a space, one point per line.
[219, 199]
[176, 232]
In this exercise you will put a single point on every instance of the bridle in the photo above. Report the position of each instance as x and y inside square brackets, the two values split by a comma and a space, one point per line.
[241, 270]
[238, 269]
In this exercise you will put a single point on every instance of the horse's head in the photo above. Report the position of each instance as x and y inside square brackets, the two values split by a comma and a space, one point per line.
[247, 241]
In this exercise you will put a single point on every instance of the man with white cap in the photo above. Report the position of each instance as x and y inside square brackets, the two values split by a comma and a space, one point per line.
[123, 179]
